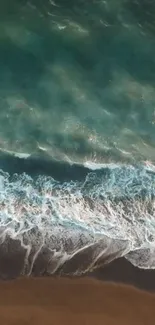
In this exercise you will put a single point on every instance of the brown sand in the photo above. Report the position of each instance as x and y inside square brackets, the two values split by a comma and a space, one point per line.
[73, 301]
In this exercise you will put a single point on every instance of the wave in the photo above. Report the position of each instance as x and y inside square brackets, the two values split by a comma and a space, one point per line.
[68, 219]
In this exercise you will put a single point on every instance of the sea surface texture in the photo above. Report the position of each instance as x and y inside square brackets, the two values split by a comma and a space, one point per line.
[77, 135]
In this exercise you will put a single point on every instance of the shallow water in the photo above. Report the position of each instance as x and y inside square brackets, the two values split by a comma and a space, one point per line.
[74, 219]
[77, 85]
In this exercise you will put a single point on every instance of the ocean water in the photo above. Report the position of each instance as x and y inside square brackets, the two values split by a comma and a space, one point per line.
[77, 135]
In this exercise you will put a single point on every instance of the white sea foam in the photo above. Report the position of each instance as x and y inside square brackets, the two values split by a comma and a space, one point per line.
[114, 204]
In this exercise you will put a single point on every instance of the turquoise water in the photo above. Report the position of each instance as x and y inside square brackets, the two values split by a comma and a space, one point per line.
[77, 133]
[77, 79]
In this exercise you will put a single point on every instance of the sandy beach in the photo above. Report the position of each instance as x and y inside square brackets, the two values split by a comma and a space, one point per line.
[57, 301]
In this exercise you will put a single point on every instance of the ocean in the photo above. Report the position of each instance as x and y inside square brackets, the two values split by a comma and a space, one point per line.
[77, 135]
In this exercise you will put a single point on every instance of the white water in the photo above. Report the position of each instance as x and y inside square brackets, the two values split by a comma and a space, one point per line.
[113, 206]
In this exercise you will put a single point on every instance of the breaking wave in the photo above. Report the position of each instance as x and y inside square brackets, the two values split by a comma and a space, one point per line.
[57, 218]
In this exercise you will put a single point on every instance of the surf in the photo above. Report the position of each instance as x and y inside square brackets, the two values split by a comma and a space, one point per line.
[63, 218]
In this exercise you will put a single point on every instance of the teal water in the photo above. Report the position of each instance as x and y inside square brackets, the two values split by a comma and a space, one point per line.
[77, 134]
[77, 79]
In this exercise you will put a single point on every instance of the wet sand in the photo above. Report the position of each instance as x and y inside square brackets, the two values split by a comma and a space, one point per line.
[122, 271]
[82, 301]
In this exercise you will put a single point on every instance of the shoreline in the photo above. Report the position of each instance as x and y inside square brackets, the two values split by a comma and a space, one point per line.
[74, 301]
[122, 271]
[107, 296]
